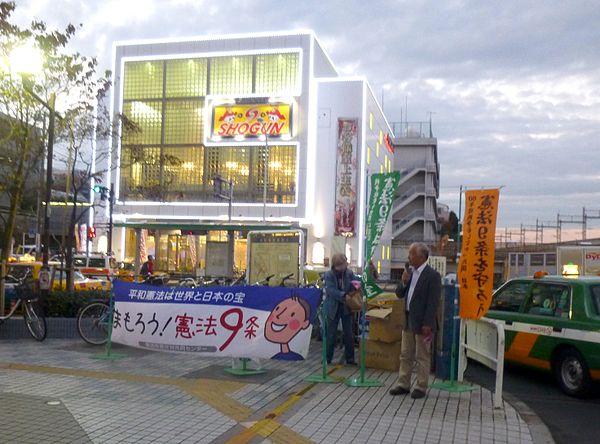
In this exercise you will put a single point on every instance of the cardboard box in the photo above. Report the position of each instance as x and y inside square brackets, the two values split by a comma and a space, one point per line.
[386, 324]
[383, 355]
[384, 300]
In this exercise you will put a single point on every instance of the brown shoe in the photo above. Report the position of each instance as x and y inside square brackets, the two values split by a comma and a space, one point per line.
[399, 391]
[417, 394]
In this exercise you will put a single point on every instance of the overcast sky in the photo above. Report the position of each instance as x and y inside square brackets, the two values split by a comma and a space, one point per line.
[514, 86]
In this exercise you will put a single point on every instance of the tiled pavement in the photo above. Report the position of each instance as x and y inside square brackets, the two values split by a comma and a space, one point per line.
[172, 398]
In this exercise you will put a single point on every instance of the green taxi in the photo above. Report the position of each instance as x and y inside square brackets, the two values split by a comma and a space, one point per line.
[553, 323]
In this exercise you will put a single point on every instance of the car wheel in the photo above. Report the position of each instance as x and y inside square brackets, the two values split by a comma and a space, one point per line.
[572, 373]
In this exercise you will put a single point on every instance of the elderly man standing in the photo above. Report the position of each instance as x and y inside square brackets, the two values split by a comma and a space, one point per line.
[421, 288]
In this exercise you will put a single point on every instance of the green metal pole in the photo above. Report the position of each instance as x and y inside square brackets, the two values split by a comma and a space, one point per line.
[108, 355]
[361, 381]
[323, 377]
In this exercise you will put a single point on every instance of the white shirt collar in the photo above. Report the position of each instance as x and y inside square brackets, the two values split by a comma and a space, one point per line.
[421, 268]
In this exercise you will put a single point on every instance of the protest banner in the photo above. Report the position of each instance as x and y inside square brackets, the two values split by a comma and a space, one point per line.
[381, 200]
[242, 321]
[476, 264]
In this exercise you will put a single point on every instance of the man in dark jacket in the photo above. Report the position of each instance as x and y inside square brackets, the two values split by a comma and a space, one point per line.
[147, 267]
[338, 283]
[421, 290]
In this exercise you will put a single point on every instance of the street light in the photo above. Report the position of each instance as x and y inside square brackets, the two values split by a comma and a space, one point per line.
[26, 60]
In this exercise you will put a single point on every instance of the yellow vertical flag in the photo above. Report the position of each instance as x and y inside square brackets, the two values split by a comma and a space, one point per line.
[476, 265]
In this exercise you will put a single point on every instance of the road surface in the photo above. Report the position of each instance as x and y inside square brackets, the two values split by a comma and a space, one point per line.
[570, 420]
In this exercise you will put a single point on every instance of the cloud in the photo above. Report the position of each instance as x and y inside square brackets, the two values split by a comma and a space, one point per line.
[512, 85]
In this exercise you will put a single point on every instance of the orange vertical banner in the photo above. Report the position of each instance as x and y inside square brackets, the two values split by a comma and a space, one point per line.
[476, 264]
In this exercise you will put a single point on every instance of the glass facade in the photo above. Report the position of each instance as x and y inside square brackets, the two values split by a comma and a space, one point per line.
[162, 154]
[184, 173]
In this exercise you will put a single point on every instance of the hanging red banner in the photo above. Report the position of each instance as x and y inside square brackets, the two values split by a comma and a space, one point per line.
[345, 184]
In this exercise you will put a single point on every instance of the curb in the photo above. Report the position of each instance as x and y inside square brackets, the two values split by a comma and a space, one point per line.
[58, 328]
[540, 434]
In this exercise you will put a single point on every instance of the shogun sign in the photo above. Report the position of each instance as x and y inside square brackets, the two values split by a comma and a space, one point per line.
[244, 321]
[251, 120]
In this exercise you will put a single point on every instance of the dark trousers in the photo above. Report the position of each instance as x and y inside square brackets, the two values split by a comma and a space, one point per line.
[347, 330]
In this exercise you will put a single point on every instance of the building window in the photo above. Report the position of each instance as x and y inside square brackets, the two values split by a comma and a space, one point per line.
[231, 163]
[231, 75]
[143, 80]
[184, 122]
[183, 173]
[536, 259]
[186, 78]
[141, 173]
[277, 73]
[281, 174]
[162, 157]
[145, 119]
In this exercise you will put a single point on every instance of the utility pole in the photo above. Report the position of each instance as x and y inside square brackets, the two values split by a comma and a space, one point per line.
[111, 203]
[590, 214]
[568, 219]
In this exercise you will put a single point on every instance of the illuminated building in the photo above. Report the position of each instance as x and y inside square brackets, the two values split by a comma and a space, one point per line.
[199, 107]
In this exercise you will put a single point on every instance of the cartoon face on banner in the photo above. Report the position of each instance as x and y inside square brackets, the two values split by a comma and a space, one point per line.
[288, 318]
[254, 322]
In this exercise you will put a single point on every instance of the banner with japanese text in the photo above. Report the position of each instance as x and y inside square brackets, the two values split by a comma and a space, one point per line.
[476, 265]
[381, 200]
[242, 321]
[345, 182]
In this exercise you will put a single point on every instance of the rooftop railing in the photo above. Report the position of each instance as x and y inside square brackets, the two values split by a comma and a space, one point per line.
[412, 129]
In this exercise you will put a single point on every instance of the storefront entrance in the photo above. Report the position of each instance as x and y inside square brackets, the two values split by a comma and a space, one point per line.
[195, 253]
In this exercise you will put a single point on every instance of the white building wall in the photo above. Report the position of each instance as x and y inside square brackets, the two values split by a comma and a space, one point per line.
[337, 98]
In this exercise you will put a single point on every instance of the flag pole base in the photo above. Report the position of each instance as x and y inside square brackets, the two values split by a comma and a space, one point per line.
[358, 382]
[453, 386]
[323, 380]
[109, 356]
[244, 371]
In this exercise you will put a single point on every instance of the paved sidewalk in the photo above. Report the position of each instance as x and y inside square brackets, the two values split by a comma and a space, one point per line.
[55, 392]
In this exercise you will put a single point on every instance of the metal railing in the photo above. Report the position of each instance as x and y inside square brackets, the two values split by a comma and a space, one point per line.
[412, 129]
[483, 340]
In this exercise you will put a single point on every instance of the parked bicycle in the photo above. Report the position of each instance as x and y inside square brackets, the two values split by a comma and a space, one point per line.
[92, 322]
[32, 312]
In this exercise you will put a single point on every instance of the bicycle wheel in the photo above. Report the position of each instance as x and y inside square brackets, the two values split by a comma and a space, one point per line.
[92, 323]
[35, 321]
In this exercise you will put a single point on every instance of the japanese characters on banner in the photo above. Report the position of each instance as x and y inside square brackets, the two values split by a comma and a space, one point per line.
[476, 265]
[381, 200]
[243, 321]
[345, 183]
